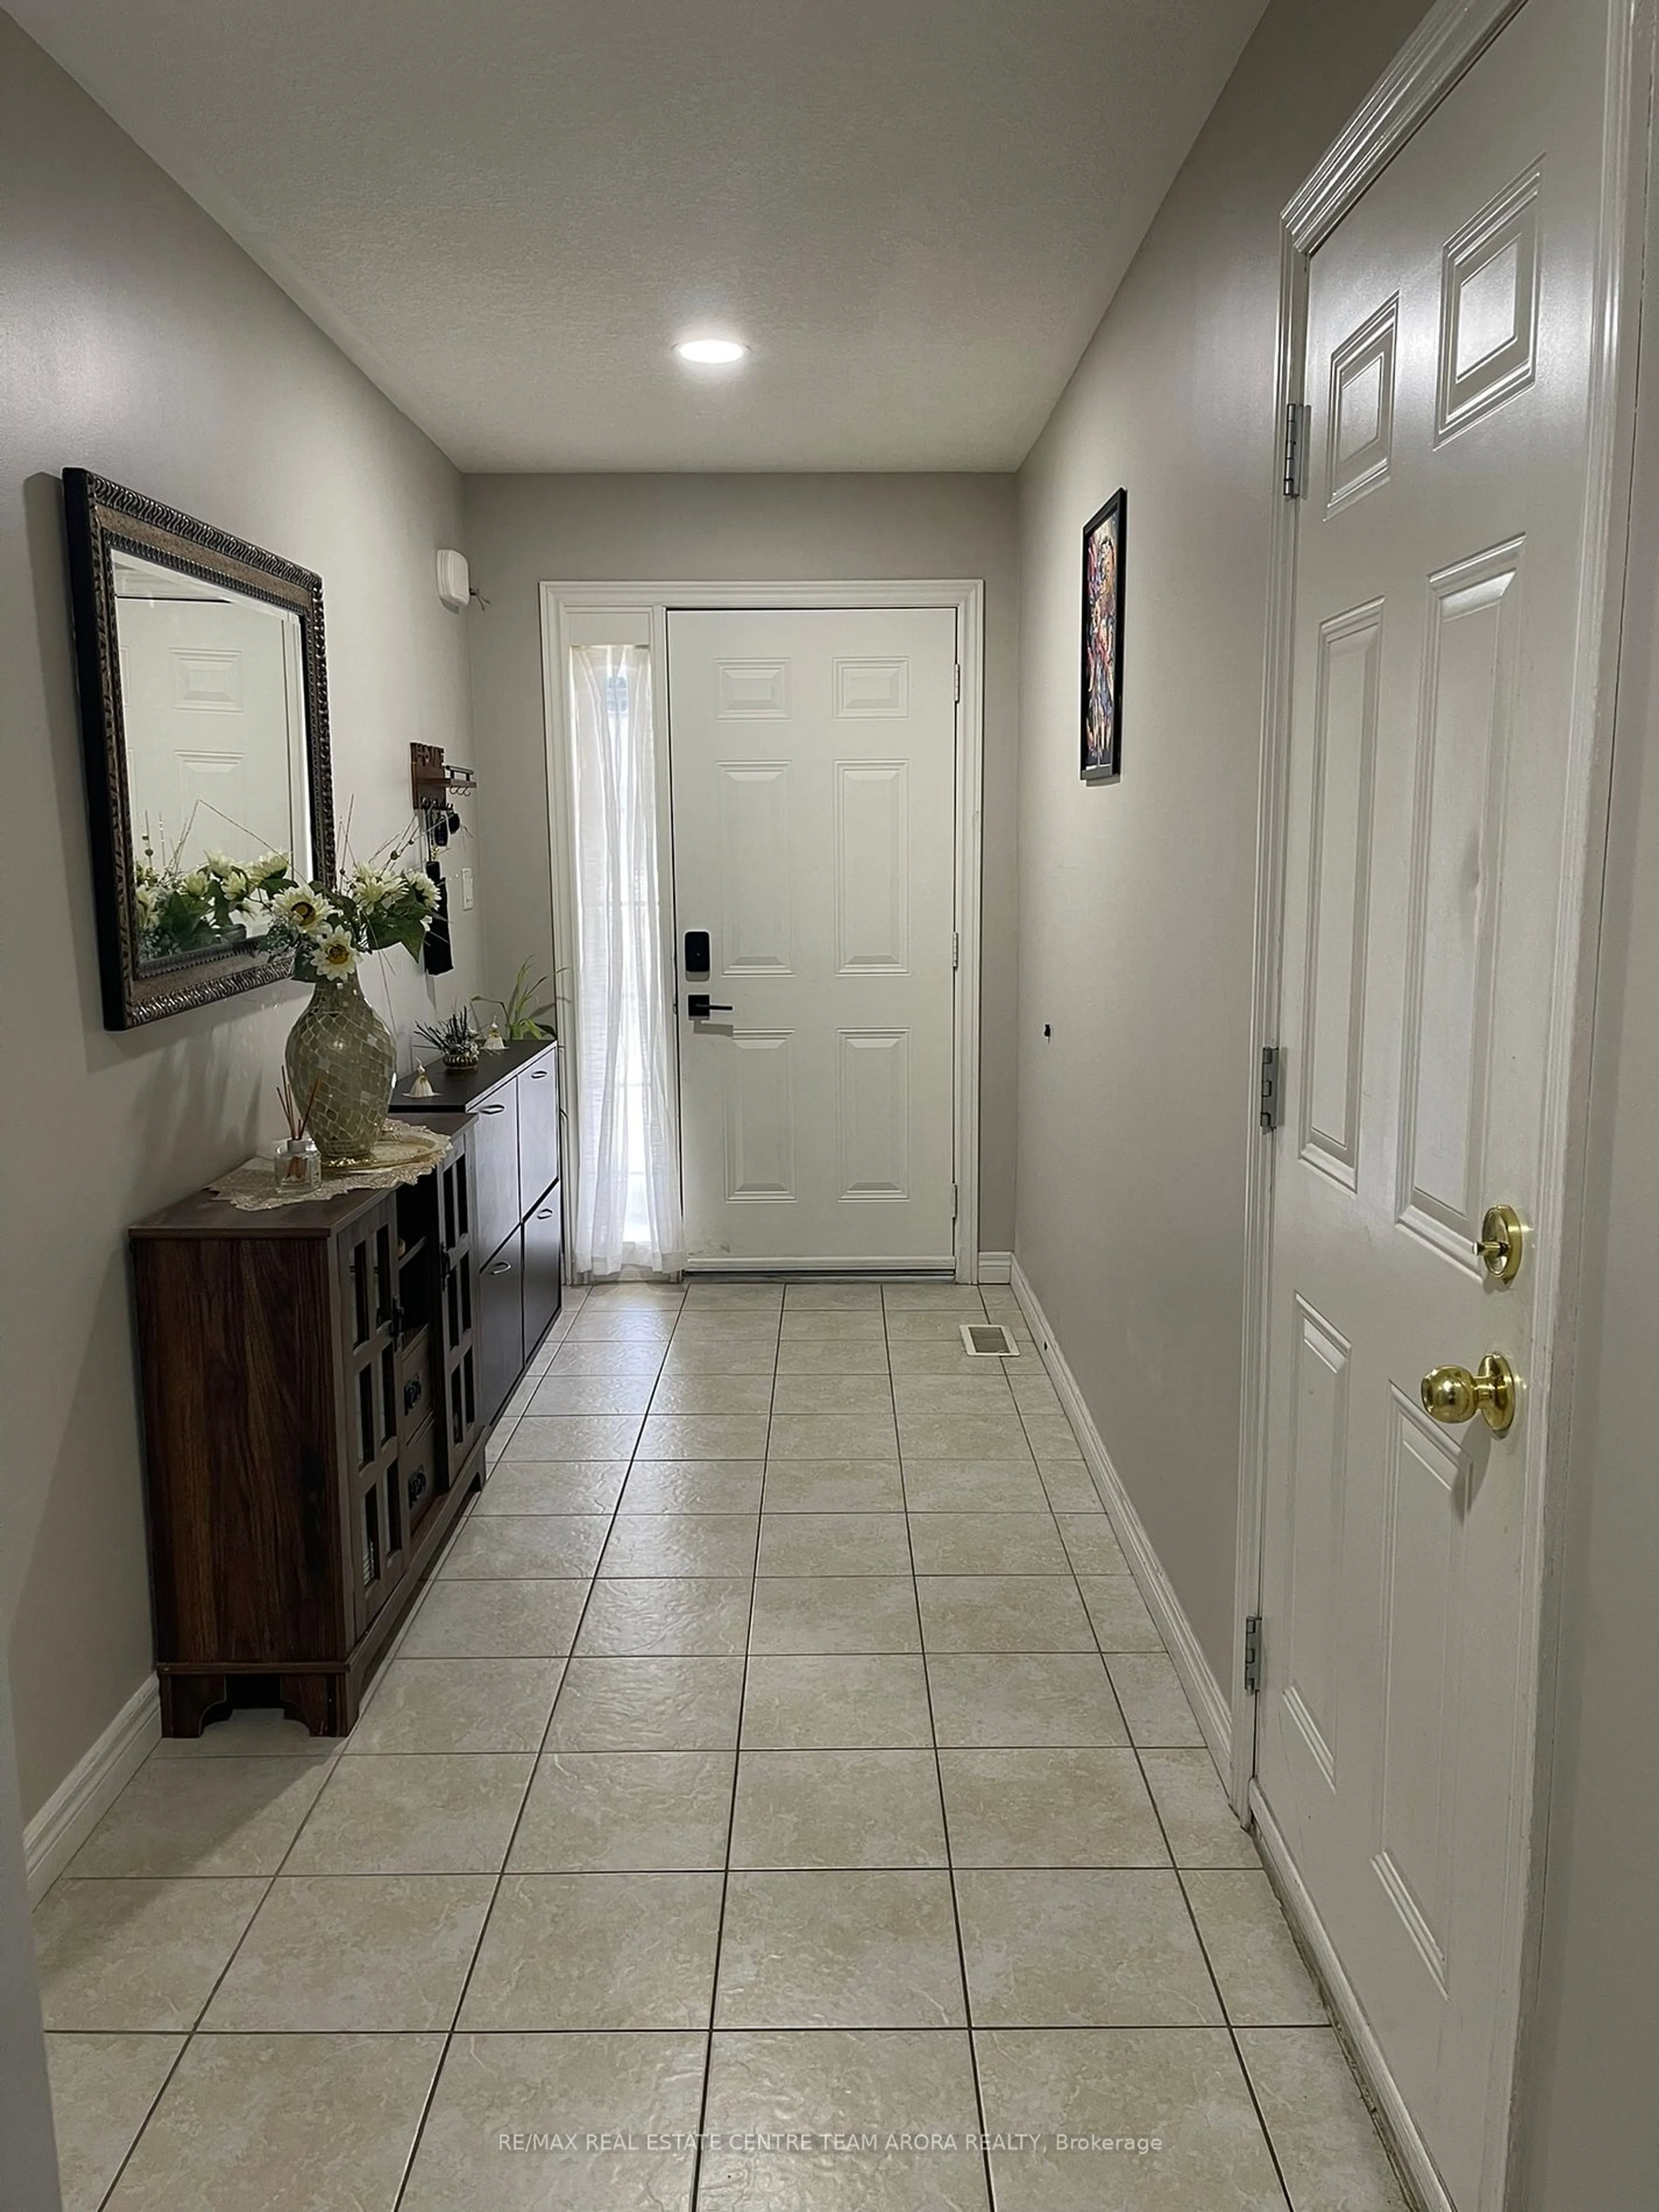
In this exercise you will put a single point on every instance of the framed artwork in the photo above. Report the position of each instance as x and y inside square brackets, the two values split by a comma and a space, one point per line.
[1102, 640]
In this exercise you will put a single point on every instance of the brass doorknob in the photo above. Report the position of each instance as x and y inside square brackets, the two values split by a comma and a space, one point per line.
[1452, 1395]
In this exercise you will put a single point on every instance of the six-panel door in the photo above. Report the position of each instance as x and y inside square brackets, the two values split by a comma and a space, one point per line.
[1438, 603]
[814, 840]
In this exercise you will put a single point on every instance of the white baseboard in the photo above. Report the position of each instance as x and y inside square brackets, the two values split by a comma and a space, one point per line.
[996, 1266]
[934, 1264]
[92, 1786]
[1208, 1701]
[1399, 2131]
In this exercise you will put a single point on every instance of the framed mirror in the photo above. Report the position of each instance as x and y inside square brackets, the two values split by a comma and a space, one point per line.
[204, 720]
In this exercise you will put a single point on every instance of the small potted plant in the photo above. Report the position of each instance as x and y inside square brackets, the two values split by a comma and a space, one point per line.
[522, 1020]
[457, 1039]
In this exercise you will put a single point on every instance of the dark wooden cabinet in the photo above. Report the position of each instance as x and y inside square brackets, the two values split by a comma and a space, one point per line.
[518, 1200]
[455, 1341]
[538, 1132]
[495, 1148]
[500, 1295]
[544, 1268]
[314, 1387]
[368, 1343]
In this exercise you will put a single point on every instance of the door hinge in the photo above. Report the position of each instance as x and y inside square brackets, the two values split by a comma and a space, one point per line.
[956, 1199]
[1272, 1111]
[958, 677]
[1253, 1655]
[956, 948]
[1296, 416]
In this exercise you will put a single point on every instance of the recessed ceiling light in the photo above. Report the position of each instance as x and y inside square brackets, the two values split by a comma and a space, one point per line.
[711, 353]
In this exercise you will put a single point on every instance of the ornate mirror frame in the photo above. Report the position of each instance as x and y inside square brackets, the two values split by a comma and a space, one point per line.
[102, 519]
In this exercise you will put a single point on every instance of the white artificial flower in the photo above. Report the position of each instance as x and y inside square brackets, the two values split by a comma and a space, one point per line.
[267, 868]
[333, 954]
[370, 886]
[235, 886]
[195, 884]
[147, 897]
[302, 908]
[423, 888]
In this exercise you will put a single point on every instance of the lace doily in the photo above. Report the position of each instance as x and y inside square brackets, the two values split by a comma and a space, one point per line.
[404, 1153]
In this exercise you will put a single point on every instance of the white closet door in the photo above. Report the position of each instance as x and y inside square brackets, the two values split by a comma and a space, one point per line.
[1438, 604]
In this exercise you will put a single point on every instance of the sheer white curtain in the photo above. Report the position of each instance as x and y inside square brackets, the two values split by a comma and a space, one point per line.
[628, 1197]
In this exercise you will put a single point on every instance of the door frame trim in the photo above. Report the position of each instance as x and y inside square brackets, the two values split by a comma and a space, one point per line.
[966, 597]
[1439, 53]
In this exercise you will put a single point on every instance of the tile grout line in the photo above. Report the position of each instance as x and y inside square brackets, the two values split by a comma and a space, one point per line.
[1137, 1749]
[879, 2028]
[732, 1811]
[1226, 2021]
[769, 1751]
[430, 2098]
[944, 1825]
[185, 2042]
[1209, 1967]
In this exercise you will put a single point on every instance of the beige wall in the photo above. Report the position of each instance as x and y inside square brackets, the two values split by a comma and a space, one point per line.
[523, 530]
[139, 341]
[1136, 898]
[26, 2130]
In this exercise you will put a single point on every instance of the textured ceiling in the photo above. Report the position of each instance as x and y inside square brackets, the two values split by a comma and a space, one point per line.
[506, 210]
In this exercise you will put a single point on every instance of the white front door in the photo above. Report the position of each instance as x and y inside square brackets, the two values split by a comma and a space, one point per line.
[1451, 326]
[813, 760]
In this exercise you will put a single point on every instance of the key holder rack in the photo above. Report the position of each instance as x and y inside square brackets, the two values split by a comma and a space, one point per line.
[435, 787]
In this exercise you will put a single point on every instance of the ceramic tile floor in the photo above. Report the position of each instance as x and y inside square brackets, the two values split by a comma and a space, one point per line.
[783, 1754]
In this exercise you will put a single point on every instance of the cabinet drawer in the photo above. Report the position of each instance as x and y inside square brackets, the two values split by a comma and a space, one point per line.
[501, 1324]
[539, 1129]
[417, 1464]
[494, 1148]
[543, 1254]
[415, 1395]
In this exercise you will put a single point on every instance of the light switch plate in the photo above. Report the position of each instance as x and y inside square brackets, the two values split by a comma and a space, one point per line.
[466, 888]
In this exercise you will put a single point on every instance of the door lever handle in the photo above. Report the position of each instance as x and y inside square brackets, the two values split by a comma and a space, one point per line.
[700, 1006]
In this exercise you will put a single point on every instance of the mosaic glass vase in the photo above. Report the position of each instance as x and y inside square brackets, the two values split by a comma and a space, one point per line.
[342, 1046]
